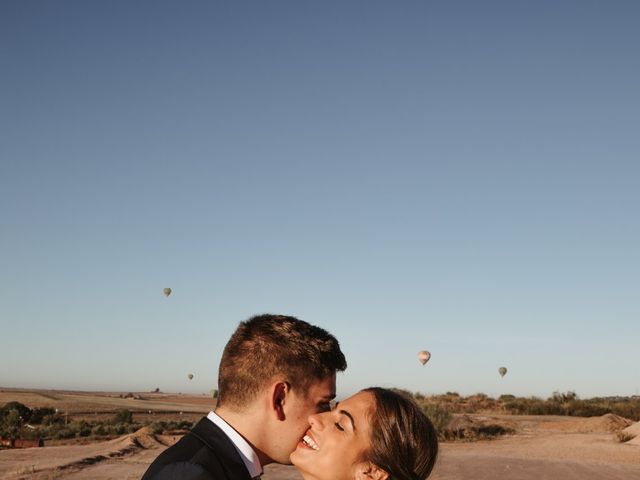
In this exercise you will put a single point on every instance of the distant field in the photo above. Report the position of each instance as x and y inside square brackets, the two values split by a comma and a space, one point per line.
[75, 403]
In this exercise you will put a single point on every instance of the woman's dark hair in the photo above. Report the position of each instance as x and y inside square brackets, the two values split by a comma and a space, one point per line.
[403, 441]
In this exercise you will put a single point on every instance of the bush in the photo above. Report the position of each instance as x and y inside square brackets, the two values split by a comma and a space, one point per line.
[118, 429]
[133, 427]
[122, 416]
[53, 419]
[38, 415]
[160, 427]
[493, 430]
[29, 434]
[184, 425]
[23, 411]
[64, 433]
[157, 427]
[99, 430]
[81, 428]
[440, 417]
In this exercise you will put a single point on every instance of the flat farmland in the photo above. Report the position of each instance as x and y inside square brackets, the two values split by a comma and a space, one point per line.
[75, 403]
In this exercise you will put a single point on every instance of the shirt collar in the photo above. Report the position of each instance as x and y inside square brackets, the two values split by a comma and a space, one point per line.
[247, 453]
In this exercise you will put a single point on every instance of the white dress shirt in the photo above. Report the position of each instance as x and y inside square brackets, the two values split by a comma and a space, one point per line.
[247, 453]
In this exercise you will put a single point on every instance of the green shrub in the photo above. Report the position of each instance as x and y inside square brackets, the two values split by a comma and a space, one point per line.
[157, 427]
[64, 433]
[118, 429]
[133, 427]
[99, 430]
[24, 412]
[185, 425]
[53, 419]
[29, 434]
[440, 417]
[82, 428]
[11, 423]
[122, 416]
[38, 415]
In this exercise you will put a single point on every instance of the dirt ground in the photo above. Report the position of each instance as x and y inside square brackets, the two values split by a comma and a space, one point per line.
[543, 448]
[536, 452]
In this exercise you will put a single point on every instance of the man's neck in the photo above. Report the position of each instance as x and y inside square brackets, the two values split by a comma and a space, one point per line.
[251, 427]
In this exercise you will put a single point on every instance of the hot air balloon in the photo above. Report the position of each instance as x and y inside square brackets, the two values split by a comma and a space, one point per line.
[502, 371]
[190, 376]
[166, 292]
[423, 357]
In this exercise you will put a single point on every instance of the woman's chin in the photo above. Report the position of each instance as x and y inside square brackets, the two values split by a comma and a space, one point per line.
[300, 457]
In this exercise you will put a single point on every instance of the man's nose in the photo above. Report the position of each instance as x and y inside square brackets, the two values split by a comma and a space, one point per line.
[315, 420]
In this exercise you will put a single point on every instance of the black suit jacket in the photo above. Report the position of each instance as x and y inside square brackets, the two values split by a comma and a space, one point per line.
[205, 453]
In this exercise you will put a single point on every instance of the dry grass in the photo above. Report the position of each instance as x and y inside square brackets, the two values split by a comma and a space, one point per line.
[623, 437]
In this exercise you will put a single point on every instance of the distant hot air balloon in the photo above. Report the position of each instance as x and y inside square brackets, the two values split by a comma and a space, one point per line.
[502, 371]
[166, 292]
[423, 357]
[190, 376]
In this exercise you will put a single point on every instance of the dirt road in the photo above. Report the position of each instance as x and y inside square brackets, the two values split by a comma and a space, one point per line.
[495, 460]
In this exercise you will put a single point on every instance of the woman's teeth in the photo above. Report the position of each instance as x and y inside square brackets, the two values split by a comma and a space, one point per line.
[308, 441]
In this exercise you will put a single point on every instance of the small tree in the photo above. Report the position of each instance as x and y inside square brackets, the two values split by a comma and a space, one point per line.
[440, 417]
[11, 423]
[24, 412]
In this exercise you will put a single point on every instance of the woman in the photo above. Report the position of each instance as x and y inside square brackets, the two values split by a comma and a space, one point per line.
[376, 434]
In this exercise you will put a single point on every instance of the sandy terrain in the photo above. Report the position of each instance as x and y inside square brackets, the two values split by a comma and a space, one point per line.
[542, 447]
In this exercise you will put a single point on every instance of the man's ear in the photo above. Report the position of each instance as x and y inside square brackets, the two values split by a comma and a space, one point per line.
[279, 393]
[369, 471]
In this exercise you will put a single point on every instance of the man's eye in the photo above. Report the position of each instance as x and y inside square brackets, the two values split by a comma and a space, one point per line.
[339, 427]
[324, 407]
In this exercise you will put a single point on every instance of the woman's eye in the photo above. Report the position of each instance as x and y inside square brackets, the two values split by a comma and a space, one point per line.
[339, 427]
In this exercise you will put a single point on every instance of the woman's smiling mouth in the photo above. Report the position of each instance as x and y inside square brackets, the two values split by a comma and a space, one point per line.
[310, 442]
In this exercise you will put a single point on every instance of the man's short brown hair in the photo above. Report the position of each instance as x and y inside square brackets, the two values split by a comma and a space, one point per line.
[267, 346]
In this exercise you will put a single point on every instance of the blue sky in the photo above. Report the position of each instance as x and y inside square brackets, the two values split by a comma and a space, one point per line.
[455, 176]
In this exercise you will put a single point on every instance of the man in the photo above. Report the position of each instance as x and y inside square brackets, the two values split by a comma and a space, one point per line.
[275, 372]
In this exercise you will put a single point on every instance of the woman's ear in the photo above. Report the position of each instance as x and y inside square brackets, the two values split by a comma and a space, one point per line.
[369, 471]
